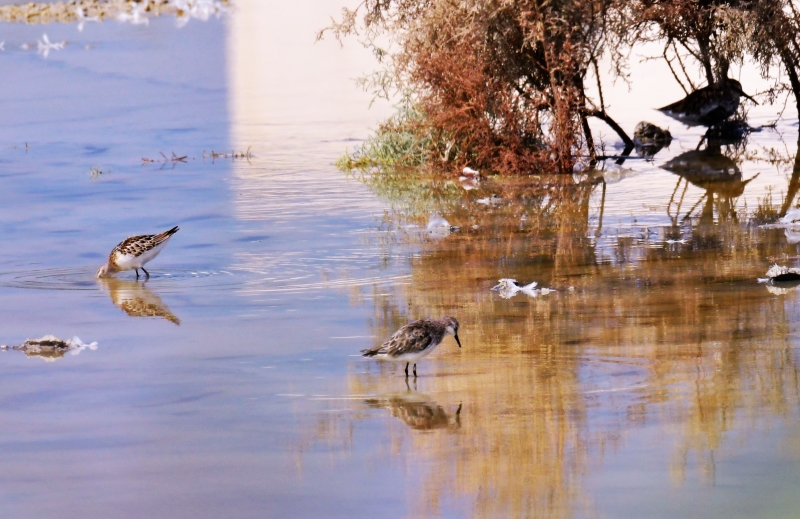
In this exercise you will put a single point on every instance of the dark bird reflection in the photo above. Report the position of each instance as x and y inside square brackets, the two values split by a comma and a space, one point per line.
[417, 410]
[709, 169]
[136, 300]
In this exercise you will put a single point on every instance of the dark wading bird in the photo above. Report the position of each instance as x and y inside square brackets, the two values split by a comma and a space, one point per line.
[134, 252]
[709, 105]
[415, 340]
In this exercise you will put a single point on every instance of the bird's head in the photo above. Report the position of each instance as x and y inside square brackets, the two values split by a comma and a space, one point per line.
[451, 327]
[737, 87]
[105, 270]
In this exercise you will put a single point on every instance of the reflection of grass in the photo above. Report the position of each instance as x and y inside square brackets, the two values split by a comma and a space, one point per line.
[414, 192]
[393, 162]
[765, 212]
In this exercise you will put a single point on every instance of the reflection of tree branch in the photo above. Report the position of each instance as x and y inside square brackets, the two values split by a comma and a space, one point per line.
[689, 214]
[602, 208]
[679, 202]
[794, 183]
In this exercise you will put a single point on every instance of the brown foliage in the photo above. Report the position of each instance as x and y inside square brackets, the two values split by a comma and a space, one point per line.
[500, 83]
[501, 80]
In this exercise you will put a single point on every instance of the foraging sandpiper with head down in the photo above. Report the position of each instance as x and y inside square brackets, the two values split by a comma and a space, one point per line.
[415, 340]
[134, 252]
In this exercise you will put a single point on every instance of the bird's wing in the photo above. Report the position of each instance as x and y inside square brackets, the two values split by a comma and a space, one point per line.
[134, 246]
[411, 338]
[687, 103]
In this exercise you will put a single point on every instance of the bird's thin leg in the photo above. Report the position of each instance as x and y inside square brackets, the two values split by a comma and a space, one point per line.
[415, 371]
[146, 273]
[137, 273]
[406, 369]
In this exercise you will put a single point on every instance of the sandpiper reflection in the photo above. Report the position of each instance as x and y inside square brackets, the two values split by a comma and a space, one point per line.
[417, 410]
[709, 169]
[136, 300]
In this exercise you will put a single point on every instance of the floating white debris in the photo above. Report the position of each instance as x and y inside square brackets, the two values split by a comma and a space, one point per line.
[437, 221]
[82, 18]
[682, 241]
[137, 16]
[468, 183]
[438, 227]
[469, 172]
[792, 237]
[778, 273]
[780, 290]
[614, 173]
[508, 288]
[76, 345]
[44, 46]
[492, 200]
[792, 217]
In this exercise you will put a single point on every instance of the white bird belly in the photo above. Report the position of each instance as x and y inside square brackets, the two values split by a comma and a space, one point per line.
[128, 261]
[408, 357]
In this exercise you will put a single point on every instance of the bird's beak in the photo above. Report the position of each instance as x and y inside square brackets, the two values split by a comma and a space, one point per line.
[459, 342]
[747, 96]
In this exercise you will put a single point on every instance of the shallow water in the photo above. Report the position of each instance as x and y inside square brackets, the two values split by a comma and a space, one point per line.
[659, 380]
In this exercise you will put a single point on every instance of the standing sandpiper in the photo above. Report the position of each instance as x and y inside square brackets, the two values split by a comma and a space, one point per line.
[134, 252]
[709, 105]
[415, 340]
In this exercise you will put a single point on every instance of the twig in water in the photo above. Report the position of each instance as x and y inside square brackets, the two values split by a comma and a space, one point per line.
[166, 160]
[246, 155]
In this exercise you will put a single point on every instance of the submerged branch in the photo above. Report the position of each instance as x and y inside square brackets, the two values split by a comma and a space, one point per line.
[614, 126]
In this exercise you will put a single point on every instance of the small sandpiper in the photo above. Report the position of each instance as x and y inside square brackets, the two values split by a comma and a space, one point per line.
[415, 340]
[709, 105]
[134, 252]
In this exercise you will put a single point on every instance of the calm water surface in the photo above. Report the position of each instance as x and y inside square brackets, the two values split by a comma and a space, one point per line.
[660, 380]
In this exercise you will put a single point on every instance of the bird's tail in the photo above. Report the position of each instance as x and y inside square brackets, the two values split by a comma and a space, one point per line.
[370, 352]
[166, 234]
